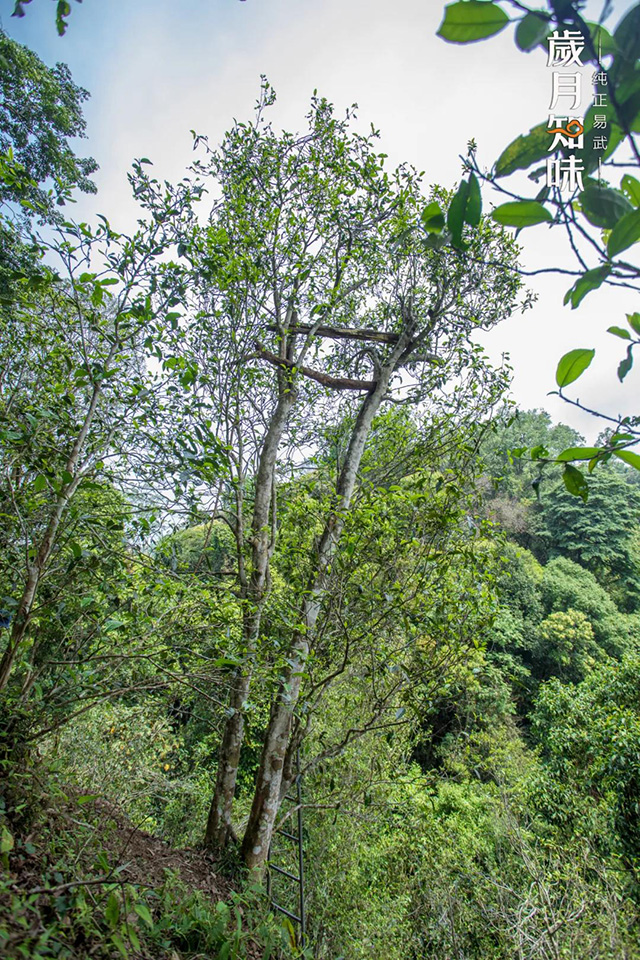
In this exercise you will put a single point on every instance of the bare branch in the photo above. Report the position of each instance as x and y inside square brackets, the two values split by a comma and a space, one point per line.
[334, 383]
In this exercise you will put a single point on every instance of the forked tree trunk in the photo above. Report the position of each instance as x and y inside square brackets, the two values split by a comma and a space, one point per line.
[268, 791]
[219, 829]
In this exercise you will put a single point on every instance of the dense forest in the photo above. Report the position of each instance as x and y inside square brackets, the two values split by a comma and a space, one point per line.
[280, 561]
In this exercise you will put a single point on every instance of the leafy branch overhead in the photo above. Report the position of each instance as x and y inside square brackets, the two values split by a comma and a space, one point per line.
[63, 12]
[601, 219]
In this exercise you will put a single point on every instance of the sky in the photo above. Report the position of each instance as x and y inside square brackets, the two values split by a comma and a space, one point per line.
[157, 69]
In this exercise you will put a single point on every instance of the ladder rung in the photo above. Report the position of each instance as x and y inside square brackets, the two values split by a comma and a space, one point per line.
[291, 916]
[285, 873]
[284, 833]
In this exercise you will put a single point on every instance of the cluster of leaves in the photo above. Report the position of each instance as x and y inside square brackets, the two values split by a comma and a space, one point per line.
[603, 218]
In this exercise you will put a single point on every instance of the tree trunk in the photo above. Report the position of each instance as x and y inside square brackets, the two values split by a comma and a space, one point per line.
[219, 829]
[267, 796]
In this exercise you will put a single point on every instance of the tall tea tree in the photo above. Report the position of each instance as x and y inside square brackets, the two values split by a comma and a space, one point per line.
[417, 312]
[293, 238]
[320, 286]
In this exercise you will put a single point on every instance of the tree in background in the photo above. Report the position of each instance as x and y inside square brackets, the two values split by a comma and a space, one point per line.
[589, 735]
[40, 112]
[602, 536]
[566, 585]
[509, 437]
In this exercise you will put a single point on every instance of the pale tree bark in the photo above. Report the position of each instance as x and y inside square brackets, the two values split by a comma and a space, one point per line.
[219, 827]
[272, 772]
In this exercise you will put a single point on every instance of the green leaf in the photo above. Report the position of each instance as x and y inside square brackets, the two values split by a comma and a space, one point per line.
[628, 97]
[473, 211]
[112, 911]
[66, 476]
[465, 207]
[432, 217]
[631, 187]
[6, 840]
[625, 233]
[144, 913]
[435, 241]
[579, 453]
[87, 798]
[120, 944]
[633, 319]
[589, 281]
[456, 213]
[76, 549]
[39, 483]
[466, 22]
[603, 207]
[575, 482]
[532, 30]
[619, 332]
[521, 213]
[627, 35]
[633, 459]
[572, 365]
[524, 151]
[539, 452]
[600, 35]
[625, 365]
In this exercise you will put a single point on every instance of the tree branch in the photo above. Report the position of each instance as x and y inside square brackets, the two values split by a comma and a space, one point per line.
[335, 383]
[343, 333]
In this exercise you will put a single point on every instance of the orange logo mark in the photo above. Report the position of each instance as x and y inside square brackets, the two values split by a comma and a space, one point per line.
[574, 125]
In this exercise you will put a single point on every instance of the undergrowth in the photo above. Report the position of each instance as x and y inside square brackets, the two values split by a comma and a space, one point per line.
[71, 887]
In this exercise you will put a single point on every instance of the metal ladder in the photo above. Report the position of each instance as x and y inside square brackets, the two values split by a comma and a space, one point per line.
[298, 878]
